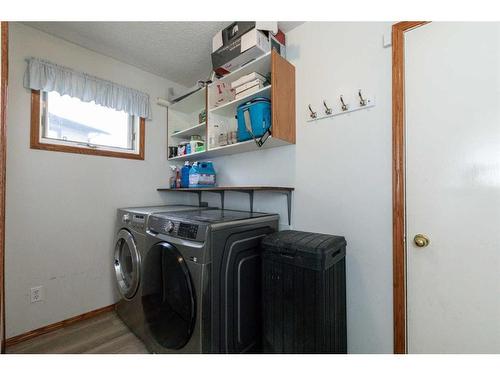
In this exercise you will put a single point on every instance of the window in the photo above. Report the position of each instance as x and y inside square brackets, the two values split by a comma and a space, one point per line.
[63, 123]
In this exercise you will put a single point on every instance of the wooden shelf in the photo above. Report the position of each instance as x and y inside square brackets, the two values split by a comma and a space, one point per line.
[229, 109]
[193, 130]
[235, 148]
[250, 190]
[233, 188]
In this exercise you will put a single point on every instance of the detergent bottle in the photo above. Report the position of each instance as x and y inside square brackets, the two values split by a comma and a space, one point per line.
[207, 174]
[185, 175]
[194, 175]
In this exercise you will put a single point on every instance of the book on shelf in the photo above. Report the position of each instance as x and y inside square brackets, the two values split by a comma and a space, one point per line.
[248, 91]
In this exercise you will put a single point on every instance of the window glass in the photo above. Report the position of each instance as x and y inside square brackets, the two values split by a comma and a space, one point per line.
[71, 120]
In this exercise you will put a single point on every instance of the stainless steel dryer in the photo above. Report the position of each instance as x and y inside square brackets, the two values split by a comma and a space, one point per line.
[130, 237]
[201, 281]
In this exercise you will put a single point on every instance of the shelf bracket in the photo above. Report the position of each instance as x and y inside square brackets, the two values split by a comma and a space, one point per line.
[198, 193]
[289, 205]
[250, 196]
[221, 193]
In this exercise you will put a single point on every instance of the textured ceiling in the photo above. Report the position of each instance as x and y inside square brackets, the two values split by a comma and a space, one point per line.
[179, 51]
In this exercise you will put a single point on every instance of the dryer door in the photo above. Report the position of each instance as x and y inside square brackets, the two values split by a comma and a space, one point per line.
[127, 263]
[168, 296]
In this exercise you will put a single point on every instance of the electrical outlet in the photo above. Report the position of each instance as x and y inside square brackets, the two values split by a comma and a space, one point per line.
[37, 294]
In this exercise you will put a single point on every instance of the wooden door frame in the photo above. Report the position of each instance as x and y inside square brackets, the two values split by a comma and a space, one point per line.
[3, 148]
[398, 182]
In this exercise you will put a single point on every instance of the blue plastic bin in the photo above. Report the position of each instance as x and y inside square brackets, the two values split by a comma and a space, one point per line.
[254, 117]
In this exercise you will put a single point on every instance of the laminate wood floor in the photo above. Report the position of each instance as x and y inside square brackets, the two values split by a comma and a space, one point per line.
[103, 334]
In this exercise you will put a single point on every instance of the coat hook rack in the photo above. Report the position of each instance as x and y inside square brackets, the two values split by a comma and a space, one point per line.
[328, 110]
[361, 100]
[344, 106]
[313, 114]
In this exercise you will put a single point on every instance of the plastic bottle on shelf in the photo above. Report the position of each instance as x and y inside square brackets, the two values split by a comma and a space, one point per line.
[173, 176]
[194, 175]
[185, 175]
[177, 178]
[202, 175]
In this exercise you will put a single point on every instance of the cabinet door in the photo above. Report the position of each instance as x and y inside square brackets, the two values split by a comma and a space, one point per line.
[283, 98]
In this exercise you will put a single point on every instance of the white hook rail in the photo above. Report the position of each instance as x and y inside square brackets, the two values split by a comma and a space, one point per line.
[329, 109]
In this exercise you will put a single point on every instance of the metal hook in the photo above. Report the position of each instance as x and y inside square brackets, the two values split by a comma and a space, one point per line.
[313, 114]
[344, 106]
[362, 101]
[328, 110]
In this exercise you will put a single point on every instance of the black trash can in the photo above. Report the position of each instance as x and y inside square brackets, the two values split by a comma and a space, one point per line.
[304, 293]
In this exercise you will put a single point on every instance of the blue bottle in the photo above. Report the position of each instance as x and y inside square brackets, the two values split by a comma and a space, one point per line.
[194, 175]
[185, 175]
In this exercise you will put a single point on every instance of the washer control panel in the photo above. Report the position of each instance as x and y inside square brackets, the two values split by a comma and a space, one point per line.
[186, 230]
[135, 221]
[138, 222]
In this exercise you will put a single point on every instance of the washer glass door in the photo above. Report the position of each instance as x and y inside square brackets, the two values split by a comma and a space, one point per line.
[126, 264]
[168, 296]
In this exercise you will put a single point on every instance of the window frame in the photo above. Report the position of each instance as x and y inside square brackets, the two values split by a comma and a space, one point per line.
[37, 143]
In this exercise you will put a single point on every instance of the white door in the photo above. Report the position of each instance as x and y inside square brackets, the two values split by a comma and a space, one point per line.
[452, 73]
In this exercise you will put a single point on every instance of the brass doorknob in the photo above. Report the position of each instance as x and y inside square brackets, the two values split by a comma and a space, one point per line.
[421, 240]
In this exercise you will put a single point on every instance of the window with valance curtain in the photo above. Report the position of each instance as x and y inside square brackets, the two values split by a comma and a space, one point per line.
[77, 112]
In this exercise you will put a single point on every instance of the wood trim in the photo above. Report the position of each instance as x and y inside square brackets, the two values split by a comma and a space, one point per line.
[282, 98]
[36, 144]
[398, 183]
[3, 147]
[55, 326]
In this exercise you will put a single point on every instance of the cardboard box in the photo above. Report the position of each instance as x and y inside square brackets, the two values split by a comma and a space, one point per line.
[230, 33]
[238, 28]
[240, 51]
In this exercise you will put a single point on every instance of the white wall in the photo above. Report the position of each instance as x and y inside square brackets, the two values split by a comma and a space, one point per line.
[341, 167]
[61, 207]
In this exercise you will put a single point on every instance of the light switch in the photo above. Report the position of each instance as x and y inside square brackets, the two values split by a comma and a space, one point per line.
[387, 39]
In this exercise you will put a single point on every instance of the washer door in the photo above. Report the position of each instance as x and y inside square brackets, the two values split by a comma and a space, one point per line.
[127, 264]
[168, 298]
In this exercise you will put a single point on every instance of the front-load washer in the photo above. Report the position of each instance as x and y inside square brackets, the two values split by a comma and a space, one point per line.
[201, 281]
[130, 238]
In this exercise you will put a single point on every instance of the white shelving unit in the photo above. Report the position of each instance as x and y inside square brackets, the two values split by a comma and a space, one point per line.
[189, 103]
[199, 129]
[222, 119]
[234, 148]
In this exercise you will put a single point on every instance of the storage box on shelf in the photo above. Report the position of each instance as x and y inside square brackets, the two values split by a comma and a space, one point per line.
[221, 117]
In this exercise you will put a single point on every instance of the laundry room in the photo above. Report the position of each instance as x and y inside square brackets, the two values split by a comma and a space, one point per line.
[71, 187]
[203, 185]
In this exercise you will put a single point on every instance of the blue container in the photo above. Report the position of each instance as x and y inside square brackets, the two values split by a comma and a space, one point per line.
[254, 118]
[202, 174]
[185, 175]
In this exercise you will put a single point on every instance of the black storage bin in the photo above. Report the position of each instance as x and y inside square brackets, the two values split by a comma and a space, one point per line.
[304, 295]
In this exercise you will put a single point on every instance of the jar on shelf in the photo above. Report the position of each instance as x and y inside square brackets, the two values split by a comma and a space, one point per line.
[222, 139]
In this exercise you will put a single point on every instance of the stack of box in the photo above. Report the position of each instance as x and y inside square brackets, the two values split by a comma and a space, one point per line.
[242, 42]
[248, 84]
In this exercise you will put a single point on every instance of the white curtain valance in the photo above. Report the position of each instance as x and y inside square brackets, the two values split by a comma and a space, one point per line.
[46, 76]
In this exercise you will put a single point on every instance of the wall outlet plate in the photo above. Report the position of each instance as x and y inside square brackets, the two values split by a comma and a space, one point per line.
[37, 294]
